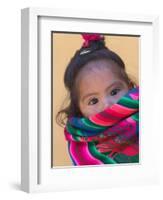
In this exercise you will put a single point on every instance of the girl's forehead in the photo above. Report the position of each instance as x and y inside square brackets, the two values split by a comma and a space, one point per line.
[100, 67]
[98, 64]
[96, 79]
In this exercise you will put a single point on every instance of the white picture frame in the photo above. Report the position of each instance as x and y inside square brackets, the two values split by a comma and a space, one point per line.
[36, 171]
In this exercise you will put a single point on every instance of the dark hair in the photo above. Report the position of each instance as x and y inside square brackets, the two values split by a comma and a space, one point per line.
[96, 51]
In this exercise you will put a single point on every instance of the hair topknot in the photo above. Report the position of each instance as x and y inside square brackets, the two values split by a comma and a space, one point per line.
[92, 42]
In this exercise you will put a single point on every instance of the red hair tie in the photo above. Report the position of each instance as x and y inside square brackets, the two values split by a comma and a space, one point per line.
[90, 37]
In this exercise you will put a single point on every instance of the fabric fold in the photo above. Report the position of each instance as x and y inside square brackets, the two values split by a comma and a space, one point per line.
[109, 137]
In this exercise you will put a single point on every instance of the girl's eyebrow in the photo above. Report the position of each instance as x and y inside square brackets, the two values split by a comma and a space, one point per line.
[114, 84]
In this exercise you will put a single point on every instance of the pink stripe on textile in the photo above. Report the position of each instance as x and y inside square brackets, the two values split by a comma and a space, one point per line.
[111, 115]
[122, 109]
[130, 120]
[115, 113]
[133, 126]
[100, 122]
[68, 136]
[71, 150]
[135, 97]
[103, 122]
[131, 150]
[80, 153]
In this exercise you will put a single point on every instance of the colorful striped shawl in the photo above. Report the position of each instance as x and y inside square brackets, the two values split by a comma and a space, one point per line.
[109, 137]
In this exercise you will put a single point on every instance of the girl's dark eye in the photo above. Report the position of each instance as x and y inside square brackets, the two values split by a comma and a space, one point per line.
[93, 101]
[114, 92]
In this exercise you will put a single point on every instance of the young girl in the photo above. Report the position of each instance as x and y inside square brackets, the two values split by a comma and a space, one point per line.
[102, 116]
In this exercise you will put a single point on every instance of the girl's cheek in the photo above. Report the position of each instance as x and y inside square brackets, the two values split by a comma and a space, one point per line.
[91, 110]
[113, 99]
[97, 108]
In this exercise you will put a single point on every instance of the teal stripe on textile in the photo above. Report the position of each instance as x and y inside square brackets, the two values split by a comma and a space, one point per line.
[135, 159]
[88, 123]
[122, 158]
[73, 131]
[98, 155]
[135, 117]
[81, 133]
[129, 103]
[76, 138]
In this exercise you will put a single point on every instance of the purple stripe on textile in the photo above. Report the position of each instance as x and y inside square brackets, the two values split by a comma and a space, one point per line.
[125, 129]
[107, 116]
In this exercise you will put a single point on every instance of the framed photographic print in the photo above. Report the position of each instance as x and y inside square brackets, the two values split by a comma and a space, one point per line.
[84, 79]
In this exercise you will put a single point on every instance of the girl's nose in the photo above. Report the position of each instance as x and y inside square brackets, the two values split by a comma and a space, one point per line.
[107, 103]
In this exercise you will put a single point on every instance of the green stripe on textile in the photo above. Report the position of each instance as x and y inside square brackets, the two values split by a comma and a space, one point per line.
[135, 117]
[130, 103]
[122, 158]
[98, 155]
[135, 159]
[87, 122]
[73, 131]
[76, 138]
[70, 129]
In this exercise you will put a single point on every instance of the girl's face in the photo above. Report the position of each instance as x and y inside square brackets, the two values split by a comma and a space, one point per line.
[99, 87]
